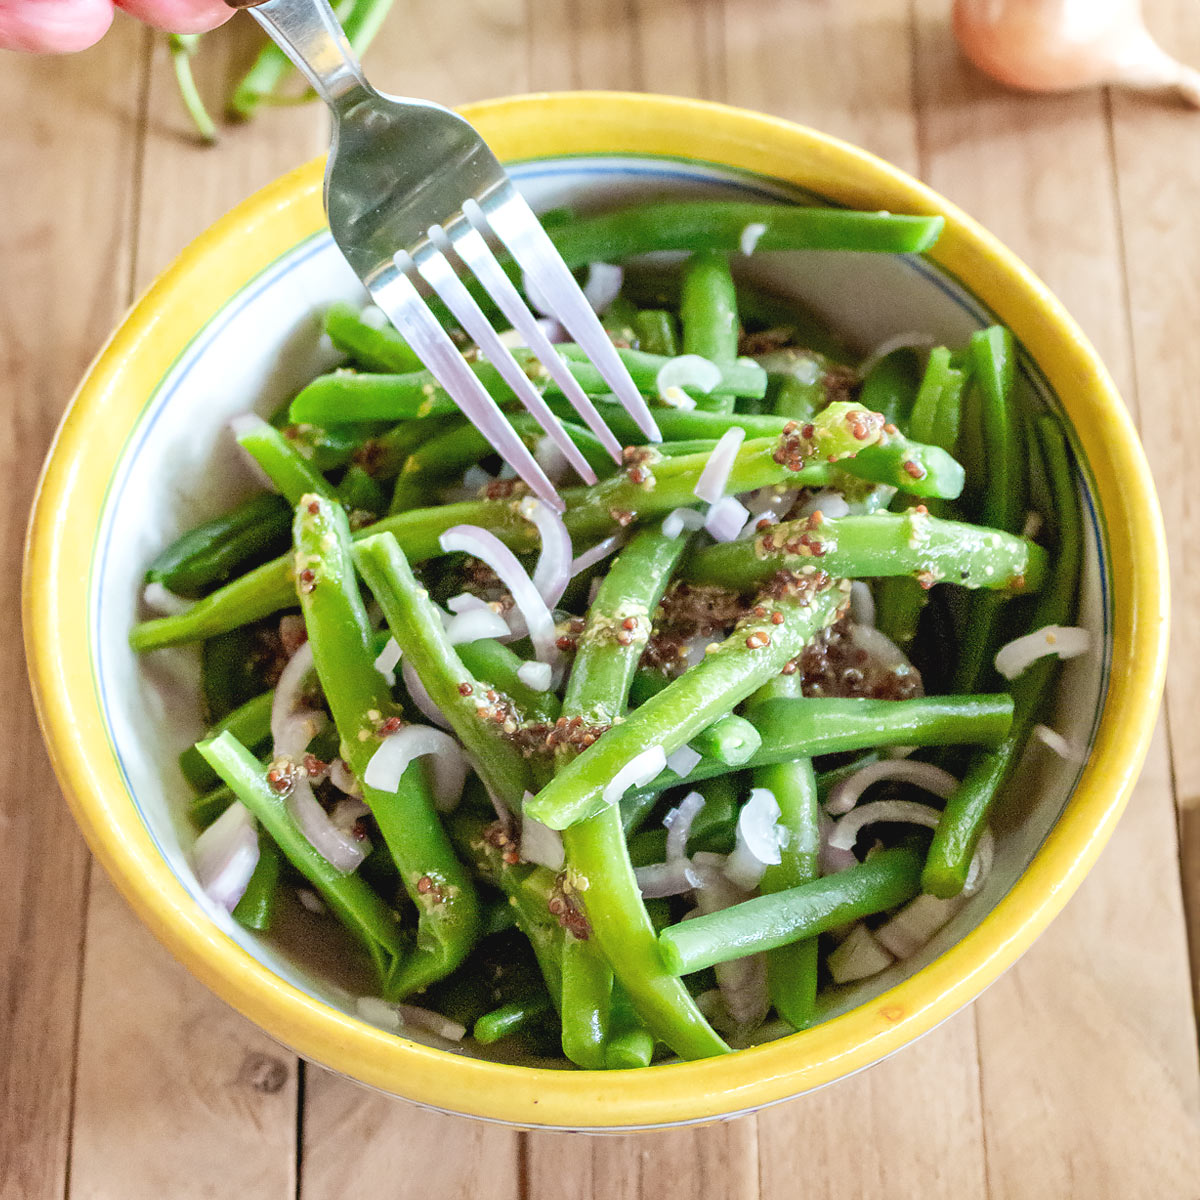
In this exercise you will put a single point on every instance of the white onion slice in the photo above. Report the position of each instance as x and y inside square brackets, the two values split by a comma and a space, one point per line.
[845, 794]
[1067, 641]
[448, 769]
[159, 599]
[671, 878]
[542, 845]
[602, 286]
[386, 661]
[398, 1016]
[310, 901]
[907, 812]
[858, 957]
[909, 340]
[676, 397]
[715, 476]
[742, 981]
[488, 548]
[725, 519]
[828, 502]
[1032, 526]
[420, 697]
[832, 861]
[687, 371]
[862, 604]
[679, 519]
[916, 923]
[758, 838]
[637, 772]
[467, 602]
[682, 761]
[225, 856]
[1059, 744]
[474, 625]
[347, 813]
[535, 675]
[343, 778]
[553, 569]
[549, 456]
[374, 317]
[288, 693]
[597, 553]
[750, 235]
[678, 823]
[339, 850]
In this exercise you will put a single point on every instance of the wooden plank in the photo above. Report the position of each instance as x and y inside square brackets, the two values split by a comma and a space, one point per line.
[66, 195]
[176, 1095]
[1086, 1048]
[845, 69]
[909, 1126]
[711, 1162]
[1157, 172]
[360, 1143]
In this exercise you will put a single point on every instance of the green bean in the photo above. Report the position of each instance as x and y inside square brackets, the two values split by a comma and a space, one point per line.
[348, 397]
[256, 909]
[708, 314]
[880, 544]
[887, 879]
[206, 808]
[619, 320]
[360, 492]
[966, 813]
[586, 1002]
[373, 349]
[793, 729]
[282, 463]
[731, 740]
[719, 225]
[1003, 497]
[795, 382]
[250, 723]
[344, 655]
[230, 673]
[921, 470]
[754, 652]
[630, 1043]
[416, 626]
[182, 47]
[529, 890]
[212, 552]
[384, 454]
[511, 1018]
[604, 665]
[891, 385]
[657, 332]
[492, 662]
[350, 898]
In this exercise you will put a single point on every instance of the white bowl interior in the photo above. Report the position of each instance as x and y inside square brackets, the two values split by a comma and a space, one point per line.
[181, 466]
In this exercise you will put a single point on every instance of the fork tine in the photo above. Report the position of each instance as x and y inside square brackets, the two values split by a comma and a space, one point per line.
[469, 244]
[399, 298]
[439, 274]
[519, 229]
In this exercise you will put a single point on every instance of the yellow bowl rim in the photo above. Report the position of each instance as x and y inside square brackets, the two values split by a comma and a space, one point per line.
[233, 251]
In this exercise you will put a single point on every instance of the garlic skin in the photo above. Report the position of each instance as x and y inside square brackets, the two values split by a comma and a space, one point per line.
[1064, 45]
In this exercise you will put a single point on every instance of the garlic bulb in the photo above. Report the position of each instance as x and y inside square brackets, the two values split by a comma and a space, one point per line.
[1062, 45]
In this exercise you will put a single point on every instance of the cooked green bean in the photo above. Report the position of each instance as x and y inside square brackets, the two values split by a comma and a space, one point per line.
[886, 880]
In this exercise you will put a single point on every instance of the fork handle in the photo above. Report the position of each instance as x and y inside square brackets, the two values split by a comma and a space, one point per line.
[310, 35]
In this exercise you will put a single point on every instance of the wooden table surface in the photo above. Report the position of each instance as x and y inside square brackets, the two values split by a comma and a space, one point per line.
[1075, 1075]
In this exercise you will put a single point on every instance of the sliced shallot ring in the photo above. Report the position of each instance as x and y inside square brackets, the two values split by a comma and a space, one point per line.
[845, 794]
[715, 477]
[637, 772]
[448, 768]
[552, 572]
[1067, 641]
[488, 548]
[686, 371]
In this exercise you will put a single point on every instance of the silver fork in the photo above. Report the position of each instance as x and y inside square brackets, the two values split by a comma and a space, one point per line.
[410, 189]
